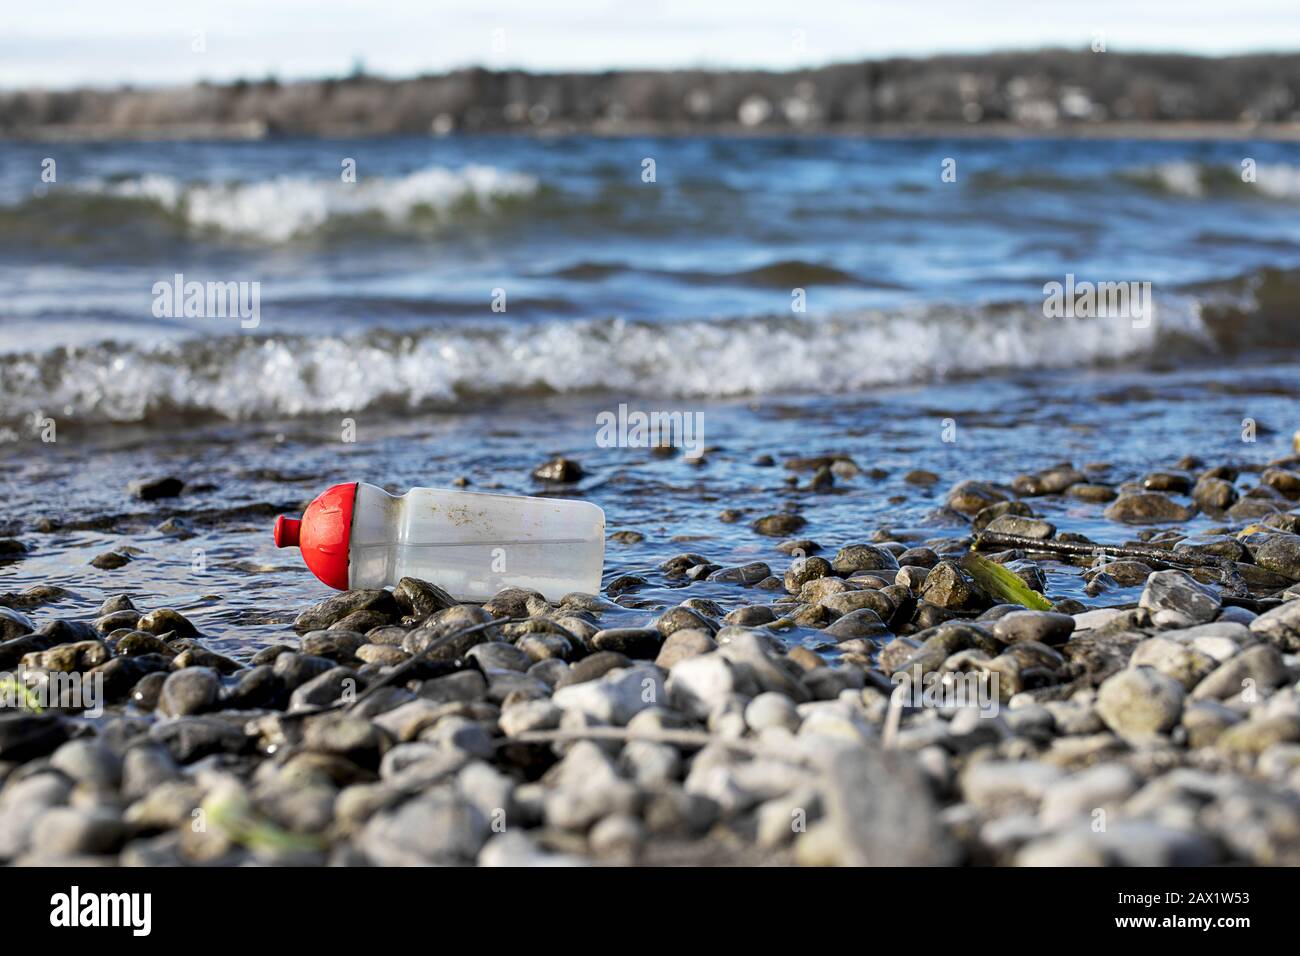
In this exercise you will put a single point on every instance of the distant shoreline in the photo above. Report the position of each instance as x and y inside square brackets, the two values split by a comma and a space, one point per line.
[1046, 93]
[1172, 131]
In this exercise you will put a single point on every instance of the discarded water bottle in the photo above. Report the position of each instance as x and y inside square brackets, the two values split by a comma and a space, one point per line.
[471, 545]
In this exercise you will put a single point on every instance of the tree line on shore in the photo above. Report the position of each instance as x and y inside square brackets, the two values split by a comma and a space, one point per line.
[1045, 89]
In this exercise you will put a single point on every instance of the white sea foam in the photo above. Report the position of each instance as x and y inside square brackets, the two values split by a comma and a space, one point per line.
[1196, 180]
[1279, 180]
[275, 210]
[1180, 177]
[257, 377]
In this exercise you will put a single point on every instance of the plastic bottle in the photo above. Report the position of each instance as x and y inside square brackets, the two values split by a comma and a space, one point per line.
[469, 544]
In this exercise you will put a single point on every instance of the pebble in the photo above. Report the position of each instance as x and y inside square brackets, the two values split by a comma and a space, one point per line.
[72, 831]
[779, 525]
[616, 697]
[1122, 843]
[430, 829]
[1280, 626]
[748, 575]
[320, 616]
[1175, 600]
[699, 684]
[560, 470]
[1140, 703]
[26, 736]
[152, 489]
[324, 689]
[1280, 553]
[1184, 664]
[13, 624]
[633, 642]
[863, 557]
[1147, 507]
[1045, 627]
[1103, 787]
[1214, 495]
[947, 586]
[1023, 526]
[1258, 734]
[1259, 665]
[90, 762]
[804, 570]
[165, 621]
[970, 497]
[189, 691]
[771, 709]
[682, 645]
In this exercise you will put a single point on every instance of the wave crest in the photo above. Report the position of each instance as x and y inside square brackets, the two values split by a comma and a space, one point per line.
[242, 377]
[288, 207]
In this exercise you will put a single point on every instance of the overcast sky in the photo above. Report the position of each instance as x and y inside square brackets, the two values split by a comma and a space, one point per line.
[59, 43]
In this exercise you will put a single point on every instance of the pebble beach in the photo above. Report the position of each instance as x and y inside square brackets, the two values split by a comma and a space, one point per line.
[703, 711]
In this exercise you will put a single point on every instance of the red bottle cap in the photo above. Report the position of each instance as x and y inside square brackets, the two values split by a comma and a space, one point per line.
[323, 534]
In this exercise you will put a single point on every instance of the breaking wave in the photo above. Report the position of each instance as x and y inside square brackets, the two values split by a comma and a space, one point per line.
[1183, 178]
[269, 376]
[274, 211]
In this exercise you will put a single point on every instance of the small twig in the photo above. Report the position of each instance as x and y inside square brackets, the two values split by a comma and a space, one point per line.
[994, 539]
[1230, 577]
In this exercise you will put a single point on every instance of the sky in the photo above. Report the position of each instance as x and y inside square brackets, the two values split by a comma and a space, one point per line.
[64, 43]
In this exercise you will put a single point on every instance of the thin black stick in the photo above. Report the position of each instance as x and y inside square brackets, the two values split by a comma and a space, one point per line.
[1229, 576]
[994, 539]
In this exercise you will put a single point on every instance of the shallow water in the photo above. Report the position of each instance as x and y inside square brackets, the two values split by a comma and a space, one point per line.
[242, 592]
[924, 320]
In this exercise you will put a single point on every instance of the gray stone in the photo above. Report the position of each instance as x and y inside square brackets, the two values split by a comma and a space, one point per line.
[771, 709]
[1045, 627]
[1139, 703]
[14, 624]
[324, 689]
[681, 645]
[1147, 507]
[1023, 526]
[89, 761]
[993, 786]
[189, 691]
[862, 557]
[1103, 787]
[1280, 626]
[634, 642]
[881, 813]
[1122, 843]
[616, 697]
[72, 831]
[433, 828]
[1175, 600]
[1260, 664]
[527, 715]
[1281, 554]
[698, 684]
[1173, 659]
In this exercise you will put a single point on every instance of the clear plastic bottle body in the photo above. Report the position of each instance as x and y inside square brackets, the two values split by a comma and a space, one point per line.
[473, 545]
